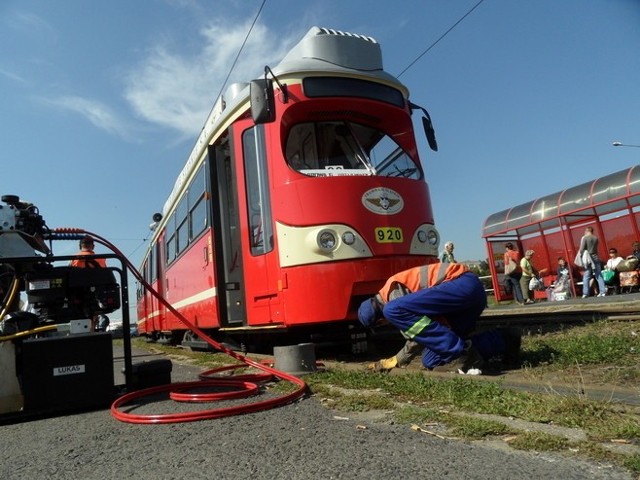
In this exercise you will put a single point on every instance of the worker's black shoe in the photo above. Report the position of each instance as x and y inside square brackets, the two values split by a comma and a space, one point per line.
[472, 361]
[512, 340]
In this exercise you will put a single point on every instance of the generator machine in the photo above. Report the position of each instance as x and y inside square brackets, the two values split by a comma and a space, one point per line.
[52, 359]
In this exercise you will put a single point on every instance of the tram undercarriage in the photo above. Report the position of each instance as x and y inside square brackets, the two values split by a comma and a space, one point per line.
[338, 337]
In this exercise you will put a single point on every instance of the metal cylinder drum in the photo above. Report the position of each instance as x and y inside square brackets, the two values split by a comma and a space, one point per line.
[295, 359]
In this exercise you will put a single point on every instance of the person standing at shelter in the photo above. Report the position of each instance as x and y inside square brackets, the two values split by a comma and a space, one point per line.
[528, 272]
[513, 272]
[436, 308]
[87, 248]
[447, 255]
[591, 262]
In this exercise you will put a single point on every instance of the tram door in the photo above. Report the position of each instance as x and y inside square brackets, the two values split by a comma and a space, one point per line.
[226, 231]
[156, 271]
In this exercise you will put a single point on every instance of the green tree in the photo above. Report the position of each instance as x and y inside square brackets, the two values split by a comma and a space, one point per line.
[482, 270]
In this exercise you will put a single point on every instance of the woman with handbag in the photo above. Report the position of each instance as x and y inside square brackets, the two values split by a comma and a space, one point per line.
[513, 272]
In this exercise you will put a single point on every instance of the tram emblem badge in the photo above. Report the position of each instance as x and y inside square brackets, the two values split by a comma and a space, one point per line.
[383, 201]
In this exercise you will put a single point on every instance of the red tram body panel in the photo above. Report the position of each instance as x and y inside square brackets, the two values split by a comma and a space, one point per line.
[292, 221]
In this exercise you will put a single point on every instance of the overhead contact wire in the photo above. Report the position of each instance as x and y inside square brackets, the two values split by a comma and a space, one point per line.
[440, 38]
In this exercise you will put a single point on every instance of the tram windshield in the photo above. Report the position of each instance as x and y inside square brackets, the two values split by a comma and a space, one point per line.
[341, 148]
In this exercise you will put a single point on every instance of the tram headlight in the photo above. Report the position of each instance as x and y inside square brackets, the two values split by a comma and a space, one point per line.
[432, 237]
[349, 238]
[326, 240]
[422, 236]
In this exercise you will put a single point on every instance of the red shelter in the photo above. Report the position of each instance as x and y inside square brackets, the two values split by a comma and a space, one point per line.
[553, 225]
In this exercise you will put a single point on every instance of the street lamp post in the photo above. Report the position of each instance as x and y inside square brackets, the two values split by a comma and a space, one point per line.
[620, 144]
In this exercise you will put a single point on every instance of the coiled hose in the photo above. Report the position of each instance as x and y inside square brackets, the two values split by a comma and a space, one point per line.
[176, 390]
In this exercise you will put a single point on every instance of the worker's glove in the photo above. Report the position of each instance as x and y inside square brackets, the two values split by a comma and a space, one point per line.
[384, 365]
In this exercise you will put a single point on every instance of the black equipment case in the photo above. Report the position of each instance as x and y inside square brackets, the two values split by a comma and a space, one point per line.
[66, 372]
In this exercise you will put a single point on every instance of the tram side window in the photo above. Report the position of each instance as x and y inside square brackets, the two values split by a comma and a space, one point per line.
[150, 267]
[171, 238]
[189, 219]
[145, 276]
[197, 205]
[321, 149]
[153, 261]
[258, 200]
[182, 231]
[198, 217]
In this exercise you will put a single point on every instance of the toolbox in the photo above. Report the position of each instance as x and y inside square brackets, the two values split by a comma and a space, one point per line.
[151, 374]
[67, 372]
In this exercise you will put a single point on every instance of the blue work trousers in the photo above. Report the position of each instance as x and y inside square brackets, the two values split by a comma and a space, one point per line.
[458, 303]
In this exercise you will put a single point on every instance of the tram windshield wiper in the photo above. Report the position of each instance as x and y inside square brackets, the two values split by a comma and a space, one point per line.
[347, 132]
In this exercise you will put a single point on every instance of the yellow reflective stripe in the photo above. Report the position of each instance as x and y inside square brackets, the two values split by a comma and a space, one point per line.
[417, 328]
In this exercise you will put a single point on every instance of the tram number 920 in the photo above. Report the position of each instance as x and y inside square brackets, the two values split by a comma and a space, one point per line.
[389, 235]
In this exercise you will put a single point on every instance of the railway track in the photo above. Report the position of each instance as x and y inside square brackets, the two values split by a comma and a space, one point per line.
[567, 312]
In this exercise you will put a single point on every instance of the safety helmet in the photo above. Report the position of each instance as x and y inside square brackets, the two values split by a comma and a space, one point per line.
[368, 313]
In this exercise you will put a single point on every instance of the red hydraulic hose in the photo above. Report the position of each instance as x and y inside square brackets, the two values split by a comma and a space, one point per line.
[248, 389]
[180, 387]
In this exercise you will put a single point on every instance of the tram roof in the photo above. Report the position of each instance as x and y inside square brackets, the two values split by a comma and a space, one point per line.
[321, 50]
[601, 196]
[328, 50]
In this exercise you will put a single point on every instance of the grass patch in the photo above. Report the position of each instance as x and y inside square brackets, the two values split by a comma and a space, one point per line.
[539, 442]
[475, 428]
[203, 359]
[418, 415]
[632, 462]
[611, 343]
[429, 399]
[610, 349]
[353, 400]
[282, 388]
[600, 419]
[364, 403]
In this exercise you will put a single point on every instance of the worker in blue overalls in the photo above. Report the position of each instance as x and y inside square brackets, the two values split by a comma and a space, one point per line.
[436, 308]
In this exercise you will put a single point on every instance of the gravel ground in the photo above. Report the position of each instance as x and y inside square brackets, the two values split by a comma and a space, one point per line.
[303, 440]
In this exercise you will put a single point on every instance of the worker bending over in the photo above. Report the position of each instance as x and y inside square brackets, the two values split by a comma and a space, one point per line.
[436, 308]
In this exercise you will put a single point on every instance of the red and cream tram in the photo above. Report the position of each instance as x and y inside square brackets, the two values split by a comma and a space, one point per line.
[302, 195]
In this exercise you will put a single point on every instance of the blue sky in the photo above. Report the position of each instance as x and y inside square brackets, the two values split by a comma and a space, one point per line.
[102, 101]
